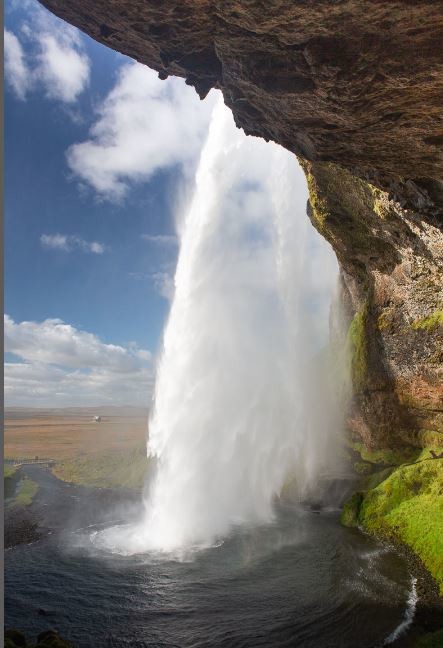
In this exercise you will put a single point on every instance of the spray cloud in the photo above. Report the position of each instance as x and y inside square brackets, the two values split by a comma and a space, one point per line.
[231, 420]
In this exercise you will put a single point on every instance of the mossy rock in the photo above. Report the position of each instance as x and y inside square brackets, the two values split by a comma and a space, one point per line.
[377, 478]
[408, 507]
[351, 510]
[386, 456]
[47, 639]
[363, 468]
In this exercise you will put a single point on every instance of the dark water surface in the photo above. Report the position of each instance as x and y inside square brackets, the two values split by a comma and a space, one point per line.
[303, 581]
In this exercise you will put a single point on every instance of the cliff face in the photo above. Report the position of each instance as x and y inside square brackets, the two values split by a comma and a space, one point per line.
[354, 88]
[391, 263]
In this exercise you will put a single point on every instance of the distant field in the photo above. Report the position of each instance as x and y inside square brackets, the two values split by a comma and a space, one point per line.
[109, 453]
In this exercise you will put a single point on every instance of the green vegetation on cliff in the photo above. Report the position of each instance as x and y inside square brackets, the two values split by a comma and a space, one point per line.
[407, 507]
[358, 347]
[429, 323]
[386, 456]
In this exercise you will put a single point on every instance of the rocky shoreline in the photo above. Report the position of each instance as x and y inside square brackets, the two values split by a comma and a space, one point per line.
[428, 617]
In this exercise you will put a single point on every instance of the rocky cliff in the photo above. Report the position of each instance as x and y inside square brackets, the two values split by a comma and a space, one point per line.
[354, 88]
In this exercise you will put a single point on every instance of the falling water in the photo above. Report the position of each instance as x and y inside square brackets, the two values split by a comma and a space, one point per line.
[233, 417]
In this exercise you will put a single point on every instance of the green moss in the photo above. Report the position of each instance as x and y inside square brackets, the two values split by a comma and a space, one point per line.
[319, 206]
[374, 480]
[362, 468]
[429, 323]
[408, 506]
[432, 640]
[358, 347]
[431, 439]
[27, 489]
[350, 514]
[386, 456]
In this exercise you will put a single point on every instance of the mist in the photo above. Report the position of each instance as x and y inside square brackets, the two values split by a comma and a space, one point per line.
[241, 404]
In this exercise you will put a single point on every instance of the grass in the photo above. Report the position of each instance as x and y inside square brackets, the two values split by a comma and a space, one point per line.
[61, 437]
[9, 471]
[11, 477]
[110, 469]
[407, 506]
[26, 491]
[107, 454]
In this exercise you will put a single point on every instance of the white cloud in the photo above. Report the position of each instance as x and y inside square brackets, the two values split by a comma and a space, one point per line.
[17, 74]
[63, 69]
[47, 53]
[143, 125]
[62, 365]
[70, 243]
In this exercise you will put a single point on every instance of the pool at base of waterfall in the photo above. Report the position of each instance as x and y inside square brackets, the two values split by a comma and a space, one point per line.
[302, 580]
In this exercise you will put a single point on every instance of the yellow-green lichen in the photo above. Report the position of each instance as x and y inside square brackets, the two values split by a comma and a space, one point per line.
[429, 323]
[384, 320]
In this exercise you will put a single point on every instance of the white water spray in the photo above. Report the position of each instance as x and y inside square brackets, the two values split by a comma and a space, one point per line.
[231, 420]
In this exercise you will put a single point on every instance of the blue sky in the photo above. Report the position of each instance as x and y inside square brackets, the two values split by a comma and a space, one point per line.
[98, 157]
[100, 160]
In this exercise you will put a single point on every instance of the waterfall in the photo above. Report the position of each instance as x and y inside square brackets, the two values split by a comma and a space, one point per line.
[231, 420]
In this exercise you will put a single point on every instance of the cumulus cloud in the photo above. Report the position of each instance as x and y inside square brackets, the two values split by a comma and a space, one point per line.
[142, 126]
[62, 67]
[62, 365]
[17, 74]
[47, 53]
[70, 243]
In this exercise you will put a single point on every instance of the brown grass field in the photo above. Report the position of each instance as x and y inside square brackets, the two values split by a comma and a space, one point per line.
[109, 453]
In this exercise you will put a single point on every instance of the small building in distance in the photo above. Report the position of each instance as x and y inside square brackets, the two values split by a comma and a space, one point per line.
[97, 419]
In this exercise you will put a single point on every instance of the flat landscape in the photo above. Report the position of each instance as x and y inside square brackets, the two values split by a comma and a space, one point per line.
[108, 453]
